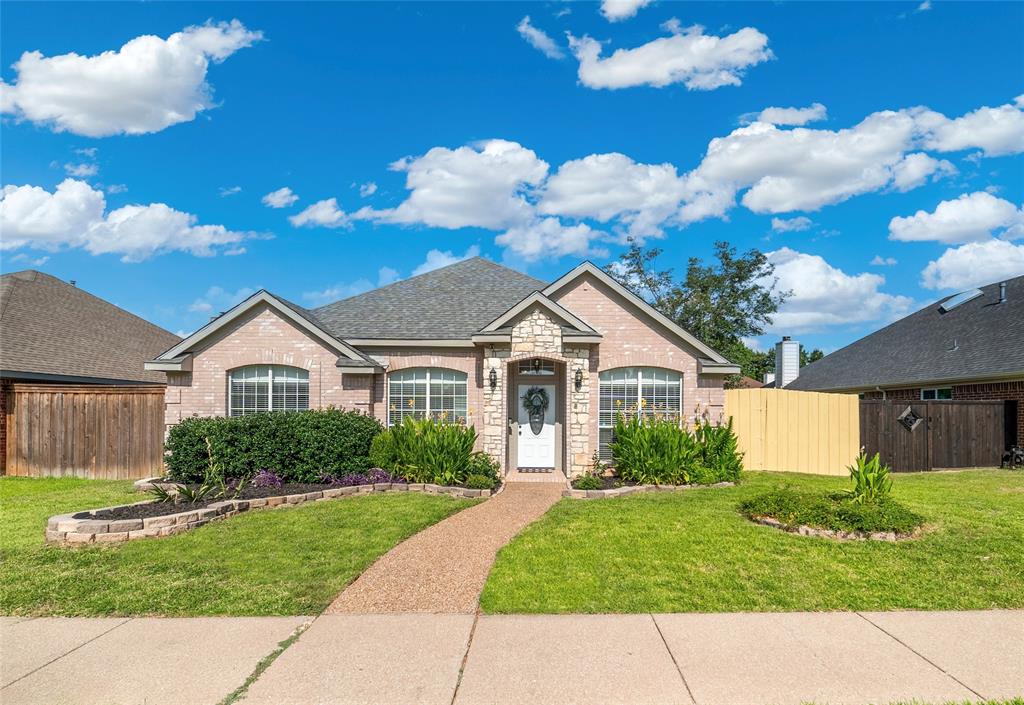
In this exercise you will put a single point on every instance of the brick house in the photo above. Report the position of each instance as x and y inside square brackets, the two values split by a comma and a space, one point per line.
[475, 342]
[969, 346]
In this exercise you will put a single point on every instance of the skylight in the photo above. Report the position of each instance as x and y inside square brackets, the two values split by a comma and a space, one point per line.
[961, 298]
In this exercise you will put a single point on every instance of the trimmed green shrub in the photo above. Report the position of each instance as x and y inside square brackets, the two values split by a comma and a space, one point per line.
[587, 482]
[480, 482]
[481, 463]
[382, 452]
[300, 446]
[426, 450]
[656, 450]
[838, 511]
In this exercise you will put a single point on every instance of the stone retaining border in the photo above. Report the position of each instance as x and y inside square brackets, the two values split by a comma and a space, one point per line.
[636, 489]
[890, 536]
[66, 530]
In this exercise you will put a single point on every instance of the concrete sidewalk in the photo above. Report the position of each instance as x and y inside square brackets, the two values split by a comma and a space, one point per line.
[404, 659]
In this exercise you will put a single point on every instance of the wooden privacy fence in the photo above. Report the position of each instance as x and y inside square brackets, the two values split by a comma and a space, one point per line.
[929, 435]
[91, 431]
[790, 431]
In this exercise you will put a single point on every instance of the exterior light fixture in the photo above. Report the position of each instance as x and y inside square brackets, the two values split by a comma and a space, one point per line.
[492, 377]
[578, 378]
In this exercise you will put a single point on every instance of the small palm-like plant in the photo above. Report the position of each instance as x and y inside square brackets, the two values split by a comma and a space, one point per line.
[871, 481]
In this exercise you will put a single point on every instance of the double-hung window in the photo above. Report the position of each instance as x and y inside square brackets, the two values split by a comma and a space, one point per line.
[259, 388]
[425, 392]
[938, 394]
[636, 391]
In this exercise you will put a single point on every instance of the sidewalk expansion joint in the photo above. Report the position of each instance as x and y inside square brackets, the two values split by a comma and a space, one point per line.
[673, 657]
[920, 655]
[239, 692]
[465, 656]
[69, 651]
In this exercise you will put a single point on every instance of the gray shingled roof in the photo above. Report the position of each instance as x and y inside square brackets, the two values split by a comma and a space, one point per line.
[989, 340]
[448, 303]
[53, 328]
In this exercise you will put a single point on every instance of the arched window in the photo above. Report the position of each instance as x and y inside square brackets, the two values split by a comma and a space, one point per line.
[427, 391]
[637, 391]
[259, 388]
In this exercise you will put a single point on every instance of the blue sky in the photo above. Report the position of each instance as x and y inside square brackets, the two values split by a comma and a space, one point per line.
[450, 129]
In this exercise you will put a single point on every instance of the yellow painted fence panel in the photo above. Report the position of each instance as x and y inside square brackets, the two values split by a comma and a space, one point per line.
[790, 431]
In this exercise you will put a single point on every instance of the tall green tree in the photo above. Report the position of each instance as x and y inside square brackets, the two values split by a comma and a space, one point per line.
[720, 302]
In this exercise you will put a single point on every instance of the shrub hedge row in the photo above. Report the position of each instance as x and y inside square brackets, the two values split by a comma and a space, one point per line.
[657, 451]
[300, 446]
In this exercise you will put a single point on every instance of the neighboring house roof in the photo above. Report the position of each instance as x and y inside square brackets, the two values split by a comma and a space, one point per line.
[53, 330]
[749, 383]
[453, 302]
[979, 339]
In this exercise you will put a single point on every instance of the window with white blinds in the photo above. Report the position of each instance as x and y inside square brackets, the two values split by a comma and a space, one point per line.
[639, 391]
[427, 391]
[259, 388]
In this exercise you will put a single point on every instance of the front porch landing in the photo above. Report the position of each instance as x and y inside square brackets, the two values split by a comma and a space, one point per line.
[554, 476]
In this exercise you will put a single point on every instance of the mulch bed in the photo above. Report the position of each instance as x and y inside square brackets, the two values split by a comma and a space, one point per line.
[610, 482]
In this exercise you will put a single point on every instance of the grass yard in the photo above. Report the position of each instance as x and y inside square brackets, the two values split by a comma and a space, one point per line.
[693, 552]
[279, 562]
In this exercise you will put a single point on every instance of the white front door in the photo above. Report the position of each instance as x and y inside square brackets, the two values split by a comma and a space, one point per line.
[536, 443]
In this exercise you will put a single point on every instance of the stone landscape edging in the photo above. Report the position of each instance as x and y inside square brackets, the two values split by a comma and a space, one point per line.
[66, 530]
[804, 530]
[637, 489]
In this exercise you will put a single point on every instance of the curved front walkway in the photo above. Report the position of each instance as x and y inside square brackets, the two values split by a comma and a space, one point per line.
[444, 567]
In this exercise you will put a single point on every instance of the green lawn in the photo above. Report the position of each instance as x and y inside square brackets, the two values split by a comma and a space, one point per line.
[692, 551]
[280, 562]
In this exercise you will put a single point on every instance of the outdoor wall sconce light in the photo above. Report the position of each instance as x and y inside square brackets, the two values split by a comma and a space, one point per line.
[578, 378]
[492, 377]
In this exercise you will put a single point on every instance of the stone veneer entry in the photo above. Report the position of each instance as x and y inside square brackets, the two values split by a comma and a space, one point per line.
[65, 529]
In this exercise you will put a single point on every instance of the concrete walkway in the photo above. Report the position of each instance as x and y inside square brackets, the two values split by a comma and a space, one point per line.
[455, 659]
[444, 567]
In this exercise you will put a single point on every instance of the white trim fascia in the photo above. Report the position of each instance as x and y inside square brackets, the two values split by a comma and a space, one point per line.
[176, 364]
[708, 367]
[538, 297]
[602, 276]
[582, 339]
[485, 338]
[231, 315]
[410, 342]
[359, 370]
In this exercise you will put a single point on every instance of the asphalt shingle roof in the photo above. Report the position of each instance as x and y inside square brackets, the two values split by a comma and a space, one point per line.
[988, 337]
[51, 327]
[448, 303]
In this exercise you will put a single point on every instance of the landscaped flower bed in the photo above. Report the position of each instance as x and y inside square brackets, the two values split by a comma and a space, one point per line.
[617, 489]
[153, 518]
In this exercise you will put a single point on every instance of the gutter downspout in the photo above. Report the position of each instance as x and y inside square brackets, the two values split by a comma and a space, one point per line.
[879, 389]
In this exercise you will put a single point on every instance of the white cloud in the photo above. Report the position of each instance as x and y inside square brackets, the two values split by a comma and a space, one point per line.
[925, 6]
[74, 215]
[343, 290]
[970, 218]
[618, 10]
[230, 191]
[81, 170]
[281, 198]
[823, 295]
[323, 213]
[549, 237]
[483, 185]
[117, 188]
[880, 261]
[784, 225]
[697, 60]
[607, 186]
[974, 264]
[996, 131]
[914, 169]
[89, 152]
[145, 86]
[217, 299]
[30, 261]
[789, 116]
[539, 39]
[368, 189]
[437, 259]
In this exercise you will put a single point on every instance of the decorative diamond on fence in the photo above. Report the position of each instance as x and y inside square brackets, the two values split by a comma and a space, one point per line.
[909, 419]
